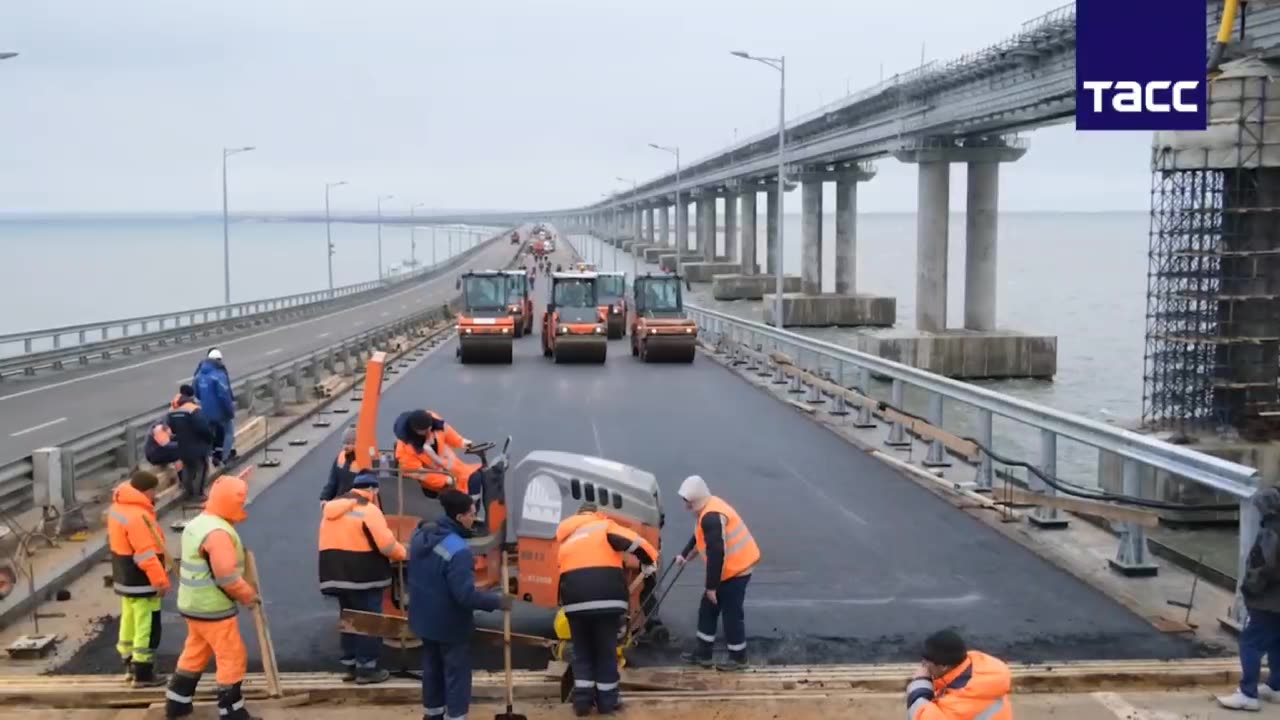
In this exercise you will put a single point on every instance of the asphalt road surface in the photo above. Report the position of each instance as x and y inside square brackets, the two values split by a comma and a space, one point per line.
[54, 408]
[859, 563]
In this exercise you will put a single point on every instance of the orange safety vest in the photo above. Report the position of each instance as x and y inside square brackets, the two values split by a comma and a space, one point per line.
[136, 544]
[590, 567]
[740, 550]
[976, 689]
[356, 545]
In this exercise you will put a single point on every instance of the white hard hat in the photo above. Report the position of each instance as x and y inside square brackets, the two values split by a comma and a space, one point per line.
[215, 354]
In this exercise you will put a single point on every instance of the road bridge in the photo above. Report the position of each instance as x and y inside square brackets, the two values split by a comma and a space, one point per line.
[54, 407]
[860, 563]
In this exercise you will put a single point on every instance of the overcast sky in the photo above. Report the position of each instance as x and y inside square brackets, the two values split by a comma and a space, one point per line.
[125, 106]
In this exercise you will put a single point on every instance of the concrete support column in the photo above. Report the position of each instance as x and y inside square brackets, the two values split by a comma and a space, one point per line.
[981, 211]
[932, 216]
[706, 231]
[648, 225]
[748, 253]
[682, 225]
[664, 228]
[773, 254]
[731, 227]
[811, 237]
[847, 229]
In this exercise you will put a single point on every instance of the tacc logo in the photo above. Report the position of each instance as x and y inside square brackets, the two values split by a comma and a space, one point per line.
[1133, 97]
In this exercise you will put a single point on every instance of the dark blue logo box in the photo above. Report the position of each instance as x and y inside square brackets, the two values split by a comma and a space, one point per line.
[1140, 65]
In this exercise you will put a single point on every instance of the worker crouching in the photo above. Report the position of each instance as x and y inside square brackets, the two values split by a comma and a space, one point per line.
[442, 585]
[425, 443]
[138, 574]
[595, 598]
[356, 551]
[210, 585]
[955, 683]
[722, 538]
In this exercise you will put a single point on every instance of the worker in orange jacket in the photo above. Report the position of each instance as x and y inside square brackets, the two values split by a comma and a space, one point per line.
[138, 574]
[210, 587]
[427, 449]
[356, 551]
[956, 683]
[595, 598]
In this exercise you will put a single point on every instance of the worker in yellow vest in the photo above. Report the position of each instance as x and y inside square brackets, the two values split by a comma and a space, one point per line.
[720, 536]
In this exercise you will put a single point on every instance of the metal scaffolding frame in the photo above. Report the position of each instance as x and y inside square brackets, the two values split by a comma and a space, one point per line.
[1212, 358]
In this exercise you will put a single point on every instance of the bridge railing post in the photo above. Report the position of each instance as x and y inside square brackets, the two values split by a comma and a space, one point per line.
[1133, 556]
[983, 477]
[277, 391]
[937, 456]
[865, 418]
[1043, 516]
[897, 432]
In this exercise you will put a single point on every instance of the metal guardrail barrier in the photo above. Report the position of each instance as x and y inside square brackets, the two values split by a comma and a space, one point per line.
[1139, 454]
[46, 344]
[120, 443]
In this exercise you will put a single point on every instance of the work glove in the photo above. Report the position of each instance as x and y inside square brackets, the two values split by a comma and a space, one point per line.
[504, 602]
[681, 559]
[649, 570]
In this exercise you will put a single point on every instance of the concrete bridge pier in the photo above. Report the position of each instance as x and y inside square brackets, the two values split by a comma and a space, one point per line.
[730, 253]
[747, 243]
[648, 224]
[843, 308]
[666, 257]
[664, 225]
[753, 285]
[979, 350]
[711, 264]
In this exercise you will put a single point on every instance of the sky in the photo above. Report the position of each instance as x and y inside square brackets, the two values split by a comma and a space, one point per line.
[504, 104]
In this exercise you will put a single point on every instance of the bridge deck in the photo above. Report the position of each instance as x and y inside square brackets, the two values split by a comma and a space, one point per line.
[58, 406]
[859, 562]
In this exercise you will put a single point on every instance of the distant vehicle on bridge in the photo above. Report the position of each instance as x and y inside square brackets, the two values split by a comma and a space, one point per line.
[660, 330]
[573, 328]
[486, 330]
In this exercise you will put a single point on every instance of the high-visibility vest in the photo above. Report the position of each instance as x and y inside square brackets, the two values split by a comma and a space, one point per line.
[590, 568]
[740, 550]
[200, 594]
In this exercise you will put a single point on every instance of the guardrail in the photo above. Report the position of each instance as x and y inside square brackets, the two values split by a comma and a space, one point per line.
[87, 334]
[120, 443]
[827, 366]
[102, 340]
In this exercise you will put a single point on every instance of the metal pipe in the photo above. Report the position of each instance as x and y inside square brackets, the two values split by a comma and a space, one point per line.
[380, 199]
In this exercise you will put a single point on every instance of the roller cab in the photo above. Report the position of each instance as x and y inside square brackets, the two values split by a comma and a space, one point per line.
[611, 288]
[573, 329]
[485, 328]
[519, 301]
[660, 330]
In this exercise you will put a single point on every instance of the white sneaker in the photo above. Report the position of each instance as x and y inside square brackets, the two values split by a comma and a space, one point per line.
[1266, 693]
[1239, 701]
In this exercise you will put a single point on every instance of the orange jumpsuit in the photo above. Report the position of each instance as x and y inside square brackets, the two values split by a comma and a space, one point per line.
[976, 689]
[440, 453]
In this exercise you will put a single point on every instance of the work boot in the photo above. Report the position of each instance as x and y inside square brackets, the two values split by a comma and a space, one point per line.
[737, 662]
[231, 703]
[700, 656]
[144, 676]
[182, 686]
[128, 670]
[373, 677]
[348, 670]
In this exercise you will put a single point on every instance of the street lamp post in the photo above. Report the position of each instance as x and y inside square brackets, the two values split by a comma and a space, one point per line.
[226, 230]
[413, 237]
[434, 262]
[328, 227]
[681, 241]
[779, 64]
[380, 199]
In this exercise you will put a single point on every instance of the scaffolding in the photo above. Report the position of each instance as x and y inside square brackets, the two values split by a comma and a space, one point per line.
[1212, 358]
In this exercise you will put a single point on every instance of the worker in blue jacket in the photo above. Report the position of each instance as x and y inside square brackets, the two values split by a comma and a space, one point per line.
[443, 596]
[213, 390]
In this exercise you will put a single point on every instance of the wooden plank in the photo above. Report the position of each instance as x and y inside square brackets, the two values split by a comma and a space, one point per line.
[266, 648]
[358, 622]
[1082, 506]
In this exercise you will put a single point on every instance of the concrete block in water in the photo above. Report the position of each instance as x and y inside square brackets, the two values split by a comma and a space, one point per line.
[626, 246]
[667, 260]
[652, 252]
[966, 354]
[802, 310]
[703, 271]
[750, 287]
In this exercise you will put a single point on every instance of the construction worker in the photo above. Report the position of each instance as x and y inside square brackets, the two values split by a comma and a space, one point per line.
[424, 441]
[955, 683]
[210, 584]
[356, 551]
[212, 383]
[1261, 593]
[343, 472]
[138, 574]
[720, 536]
[195, 436]
[160, 448]
[594, 597]
[442, 583]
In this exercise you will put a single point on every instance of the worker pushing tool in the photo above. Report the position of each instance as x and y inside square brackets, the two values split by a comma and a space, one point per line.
[210, 585]
[356, 551]
[595, 597]
[722, 538]
[138, 574]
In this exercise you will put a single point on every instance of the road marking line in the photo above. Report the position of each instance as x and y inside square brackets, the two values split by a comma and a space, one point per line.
[34, 428]
[1121, 708]
[386, 313]
[235, 341]
[357, 323]
[273, 352]
[324, 335]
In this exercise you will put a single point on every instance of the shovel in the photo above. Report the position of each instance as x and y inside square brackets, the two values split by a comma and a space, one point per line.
[506, 649]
